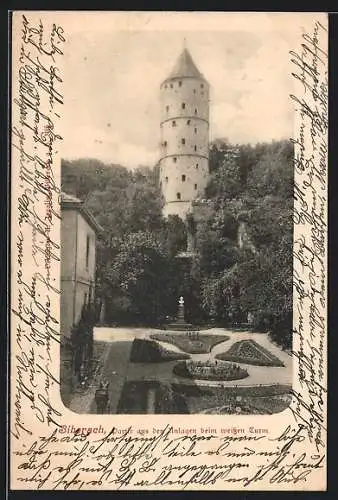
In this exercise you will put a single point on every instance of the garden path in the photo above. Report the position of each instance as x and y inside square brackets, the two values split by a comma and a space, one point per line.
[162, 372]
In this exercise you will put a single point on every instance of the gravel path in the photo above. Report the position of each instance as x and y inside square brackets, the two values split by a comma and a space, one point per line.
[114, 371]
[162, 372]
[117, 368]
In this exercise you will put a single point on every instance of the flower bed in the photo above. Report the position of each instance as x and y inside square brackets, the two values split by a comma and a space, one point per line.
[191, 342]
[209, 370]
[149, 351]
[251, 353]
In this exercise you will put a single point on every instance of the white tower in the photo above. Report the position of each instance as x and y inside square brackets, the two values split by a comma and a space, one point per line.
[184, 156]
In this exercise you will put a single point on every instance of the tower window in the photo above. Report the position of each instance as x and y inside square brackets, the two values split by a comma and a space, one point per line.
[195, 148]
[195, 130]
[183, 141]
[195, 186]
[195, 111]
[183, 105]
[183, 178]
[188, 122]
[174, 159]
[180, 84]
[178, 196]
[166, 179]
[167, 108]
[202, 86]
[196, 166]
[174, 123]
[165, 144]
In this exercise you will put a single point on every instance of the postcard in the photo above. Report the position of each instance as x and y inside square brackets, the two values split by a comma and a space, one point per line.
[168, 251]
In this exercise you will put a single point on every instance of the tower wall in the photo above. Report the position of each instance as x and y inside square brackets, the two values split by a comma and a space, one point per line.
[184, 158]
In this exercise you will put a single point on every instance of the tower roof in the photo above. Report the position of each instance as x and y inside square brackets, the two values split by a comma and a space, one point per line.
[185, 67]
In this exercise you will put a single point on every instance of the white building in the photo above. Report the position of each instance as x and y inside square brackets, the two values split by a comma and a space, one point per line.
[78, 260]
[184, 157]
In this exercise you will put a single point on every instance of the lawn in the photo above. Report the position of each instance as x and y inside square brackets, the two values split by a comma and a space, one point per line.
[197, 343]
[224, 400]
[251, 353]
[134, 398]
[149, 351]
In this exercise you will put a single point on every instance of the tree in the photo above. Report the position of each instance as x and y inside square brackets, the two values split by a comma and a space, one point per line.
[250, 189]
[141, 273]
[176, 235]
[273, 172]
[225, 182]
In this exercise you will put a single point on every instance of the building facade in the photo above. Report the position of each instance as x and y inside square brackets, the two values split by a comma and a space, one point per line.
[184, 155]
[78, 260]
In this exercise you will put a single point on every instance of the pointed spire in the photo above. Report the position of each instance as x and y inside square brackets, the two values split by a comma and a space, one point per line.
[185, 66]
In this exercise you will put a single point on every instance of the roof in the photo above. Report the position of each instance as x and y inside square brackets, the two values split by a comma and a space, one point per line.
[69, 202]
[68, 198]
[185, 67]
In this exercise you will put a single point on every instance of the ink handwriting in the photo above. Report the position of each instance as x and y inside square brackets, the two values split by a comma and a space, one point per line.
[310, 219]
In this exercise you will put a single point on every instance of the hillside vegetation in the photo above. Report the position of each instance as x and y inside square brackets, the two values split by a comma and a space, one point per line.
[242, 268]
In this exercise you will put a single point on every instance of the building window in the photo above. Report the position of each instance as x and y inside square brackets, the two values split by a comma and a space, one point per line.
[171, 85]
[174, 123]
[87, 251]
[195, 148]
[194, 91]
[165, 144]
[183, 178]
[166, 179]
[85, 298]
[202, 86]
[174, 159]
[195, 111]
[178, 196]
[183, 141]
[180, 84]
[188, 122]
[196, 166]
[195, 186]
[195, 130]
[183, 105]
[167, 108]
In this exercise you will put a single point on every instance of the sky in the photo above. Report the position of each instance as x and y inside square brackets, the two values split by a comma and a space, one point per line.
[114, 64]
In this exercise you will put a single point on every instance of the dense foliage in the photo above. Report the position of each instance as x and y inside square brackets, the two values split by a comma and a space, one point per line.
[241, 271]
